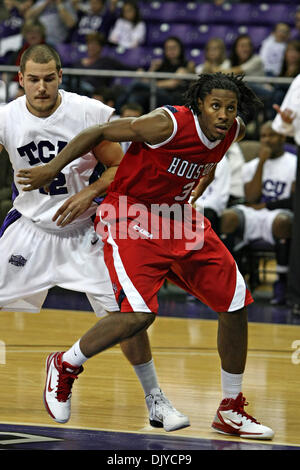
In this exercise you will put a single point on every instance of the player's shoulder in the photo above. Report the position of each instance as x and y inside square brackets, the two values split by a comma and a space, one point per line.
[13, 112]
[289, 158]
[74, 98]
[14, 105]
[70, 98]
[92, 109]
[251, 163]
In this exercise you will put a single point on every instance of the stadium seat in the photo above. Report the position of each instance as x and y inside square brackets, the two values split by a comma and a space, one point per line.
[158, 11]
[134, 58]
[69, 53]
[191, 35]
[203, 33]
[257, 33]
[271, 14]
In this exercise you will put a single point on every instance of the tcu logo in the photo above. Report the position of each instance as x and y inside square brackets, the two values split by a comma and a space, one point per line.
[274, 188]
[43, 151]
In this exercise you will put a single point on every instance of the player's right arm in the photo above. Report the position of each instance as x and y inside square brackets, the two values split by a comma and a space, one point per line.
[153, 128]
[108, 153]
[253, 189]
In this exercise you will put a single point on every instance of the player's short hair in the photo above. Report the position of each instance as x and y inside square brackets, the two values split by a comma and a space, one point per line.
[248, 103]
[40, 54]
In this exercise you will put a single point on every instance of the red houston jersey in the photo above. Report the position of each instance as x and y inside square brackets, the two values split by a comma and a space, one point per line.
[169, 171]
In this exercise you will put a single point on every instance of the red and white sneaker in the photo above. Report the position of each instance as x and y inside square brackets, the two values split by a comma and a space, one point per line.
[232, 419]
[59, 381]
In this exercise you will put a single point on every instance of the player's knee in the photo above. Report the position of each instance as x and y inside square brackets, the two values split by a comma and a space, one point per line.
[229, 221]
[240, 316]
[140, 321]
[282, 226]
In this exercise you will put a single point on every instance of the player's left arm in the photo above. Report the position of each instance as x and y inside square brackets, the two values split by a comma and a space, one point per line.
[109, 154]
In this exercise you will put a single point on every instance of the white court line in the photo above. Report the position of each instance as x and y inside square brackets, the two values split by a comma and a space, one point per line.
[266, 355]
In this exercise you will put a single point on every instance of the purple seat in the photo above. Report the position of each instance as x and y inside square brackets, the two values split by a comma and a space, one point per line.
[69, 53]
[257, 33]
[270, 14]
[224, 14]
[134, 58]
[158, 11]
[158, 33]
[196, 55]
[200, 35]
[239, 13]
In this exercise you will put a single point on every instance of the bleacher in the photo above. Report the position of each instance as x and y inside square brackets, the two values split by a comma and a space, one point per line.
[195, 23]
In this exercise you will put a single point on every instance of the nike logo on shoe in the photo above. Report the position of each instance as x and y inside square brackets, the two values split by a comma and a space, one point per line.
[233, 423]
[50, 389]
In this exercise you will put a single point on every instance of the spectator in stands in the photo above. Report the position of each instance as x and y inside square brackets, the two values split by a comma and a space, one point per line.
[99, 18]
[14, 14]
[273, 48]
[129, 30]
[267, 215]
[58, 17]
[244, 59]
[33, 32]
[215, 198]
[236, 162]
[290, 69]
[296, 30]
[107, 95]
[169, 91]
[215, 57]
[95, 59]
[226, 188]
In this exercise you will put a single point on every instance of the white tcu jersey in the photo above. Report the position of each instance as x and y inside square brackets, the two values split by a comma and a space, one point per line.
[277, 178]
[30, 141]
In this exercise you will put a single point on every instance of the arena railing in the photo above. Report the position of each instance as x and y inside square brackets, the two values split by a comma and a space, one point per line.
[150, 76]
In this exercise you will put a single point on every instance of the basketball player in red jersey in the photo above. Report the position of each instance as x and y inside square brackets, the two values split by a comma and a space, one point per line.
[174, 150]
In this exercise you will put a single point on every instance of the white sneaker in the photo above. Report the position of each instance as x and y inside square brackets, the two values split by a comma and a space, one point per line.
[57, 393]
[233, 420]
[163, 414]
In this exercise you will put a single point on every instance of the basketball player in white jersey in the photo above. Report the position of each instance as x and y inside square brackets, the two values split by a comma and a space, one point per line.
[36, 253]
[268, 182]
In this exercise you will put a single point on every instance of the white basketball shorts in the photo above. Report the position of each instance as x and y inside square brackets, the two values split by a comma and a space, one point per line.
[33, 261]
[259, 223]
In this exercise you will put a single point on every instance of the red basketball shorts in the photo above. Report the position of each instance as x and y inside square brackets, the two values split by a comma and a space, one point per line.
[142, 251]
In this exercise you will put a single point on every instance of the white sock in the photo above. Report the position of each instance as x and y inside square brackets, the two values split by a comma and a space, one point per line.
[231, 384]
[146, 374]
[74, 356]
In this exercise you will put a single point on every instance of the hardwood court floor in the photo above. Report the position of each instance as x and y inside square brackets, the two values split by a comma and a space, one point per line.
[107, 395]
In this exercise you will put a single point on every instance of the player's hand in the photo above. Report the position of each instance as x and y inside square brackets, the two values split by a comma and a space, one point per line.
[199, 190]
[73, 207]
[287, 115]
[264, 153]
[35, 178]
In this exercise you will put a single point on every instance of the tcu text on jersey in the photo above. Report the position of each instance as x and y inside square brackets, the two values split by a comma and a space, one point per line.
[189, 170]
[43, 151]
[273, 189]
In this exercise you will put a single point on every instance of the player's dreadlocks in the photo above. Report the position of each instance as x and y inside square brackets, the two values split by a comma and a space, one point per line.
[248, 103]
